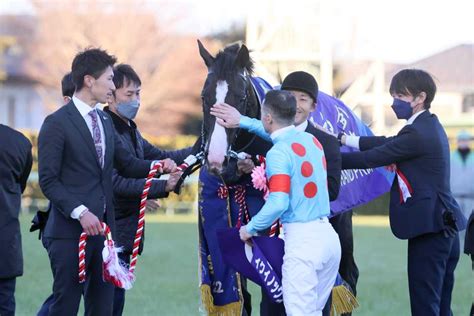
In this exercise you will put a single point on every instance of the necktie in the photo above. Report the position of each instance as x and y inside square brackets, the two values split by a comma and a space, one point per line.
[97, 137]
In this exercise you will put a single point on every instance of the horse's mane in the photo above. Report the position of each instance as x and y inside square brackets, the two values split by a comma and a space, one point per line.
[224, 62]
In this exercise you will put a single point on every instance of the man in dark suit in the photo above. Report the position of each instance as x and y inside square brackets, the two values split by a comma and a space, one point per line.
[39, 221]
[15, 167]
[77, 151]
[422, 208]
[123, 107]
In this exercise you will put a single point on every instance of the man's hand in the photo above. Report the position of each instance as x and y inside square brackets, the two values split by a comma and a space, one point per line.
[172, 181]
[226, 115]
[245, 166]
[152, 206]
[91, 224]
[169, 166]
[244, 235]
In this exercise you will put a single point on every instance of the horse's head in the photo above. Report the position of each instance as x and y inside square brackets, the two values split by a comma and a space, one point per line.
[227, 81]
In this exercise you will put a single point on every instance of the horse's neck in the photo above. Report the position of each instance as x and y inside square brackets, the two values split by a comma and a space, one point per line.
[253, 106]
[252, 110]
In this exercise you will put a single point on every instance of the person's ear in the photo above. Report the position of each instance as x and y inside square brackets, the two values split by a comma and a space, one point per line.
[265, 117]
[420, 98]
[89, 81]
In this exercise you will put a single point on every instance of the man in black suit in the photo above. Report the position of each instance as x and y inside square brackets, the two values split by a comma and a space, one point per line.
[77, 151]
[123, 107]
[422, 208]
[15, 167]
[41, 217]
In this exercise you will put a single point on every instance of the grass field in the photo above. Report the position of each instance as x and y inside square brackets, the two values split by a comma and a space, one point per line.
[167, 282]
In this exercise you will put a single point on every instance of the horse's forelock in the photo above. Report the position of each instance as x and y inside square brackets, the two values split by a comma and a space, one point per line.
[224, 62]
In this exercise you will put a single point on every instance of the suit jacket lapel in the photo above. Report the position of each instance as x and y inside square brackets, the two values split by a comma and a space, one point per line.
[310, 128]
[79, 122]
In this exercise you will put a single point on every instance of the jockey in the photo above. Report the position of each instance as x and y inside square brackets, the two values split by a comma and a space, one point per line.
[299, 197]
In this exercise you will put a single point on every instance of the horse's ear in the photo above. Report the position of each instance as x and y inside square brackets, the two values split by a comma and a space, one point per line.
[208, 59]
[243, 57]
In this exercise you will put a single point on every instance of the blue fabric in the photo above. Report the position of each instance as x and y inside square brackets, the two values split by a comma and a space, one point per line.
[261, 87]
[217, 213]
[357, 186]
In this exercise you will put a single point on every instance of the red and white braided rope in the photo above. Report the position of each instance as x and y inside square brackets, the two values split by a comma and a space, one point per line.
[155, 166]
[141, 216]
[82, 251]
[239, 195]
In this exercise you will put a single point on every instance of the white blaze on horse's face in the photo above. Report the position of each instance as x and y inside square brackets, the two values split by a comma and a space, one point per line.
[218, 143]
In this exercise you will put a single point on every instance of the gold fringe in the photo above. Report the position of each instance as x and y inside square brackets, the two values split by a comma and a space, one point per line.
[232, 309]
[343, 301]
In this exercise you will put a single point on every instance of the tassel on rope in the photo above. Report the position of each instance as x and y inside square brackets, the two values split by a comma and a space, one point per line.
[113, 269]
[343, 301]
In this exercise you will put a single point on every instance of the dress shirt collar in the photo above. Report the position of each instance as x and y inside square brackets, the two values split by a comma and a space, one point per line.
[81, 106]
[302, 127]
[413, 117]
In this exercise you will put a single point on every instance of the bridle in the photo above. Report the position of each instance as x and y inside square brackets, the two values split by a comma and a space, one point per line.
[244, 104]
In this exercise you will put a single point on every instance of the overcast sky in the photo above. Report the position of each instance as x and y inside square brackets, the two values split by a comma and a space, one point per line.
[396, 31]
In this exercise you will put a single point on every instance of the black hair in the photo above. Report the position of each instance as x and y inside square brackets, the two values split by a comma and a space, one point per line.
[125, 73]
[282, 105]
[67, 86]
[413, 82]
[93, 62]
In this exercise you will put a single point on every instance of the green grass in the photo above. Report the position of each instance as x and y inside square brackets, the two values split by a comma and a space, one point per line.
[167, 282]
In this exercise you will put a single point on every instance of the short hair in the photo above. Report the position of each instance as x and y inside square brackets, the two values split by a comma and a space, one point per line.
[413, 82]
[93, 62]
[282, 105]
[67, 86]
[125, 73]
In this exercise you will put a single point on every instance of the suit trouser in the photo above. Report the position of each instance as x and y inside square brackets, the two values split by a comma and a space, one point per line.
[310, 264]
[44, 309]
[67, 291]
[7, 296]
[432, 259]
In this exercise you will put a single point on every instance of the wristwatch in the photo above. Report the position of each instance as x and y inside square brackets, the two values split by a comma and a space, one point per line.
[339, 138]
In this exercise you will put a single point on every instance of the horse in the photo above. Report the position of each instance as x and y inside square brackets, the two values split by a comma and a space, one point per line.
[228, 80]
[225, 195]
